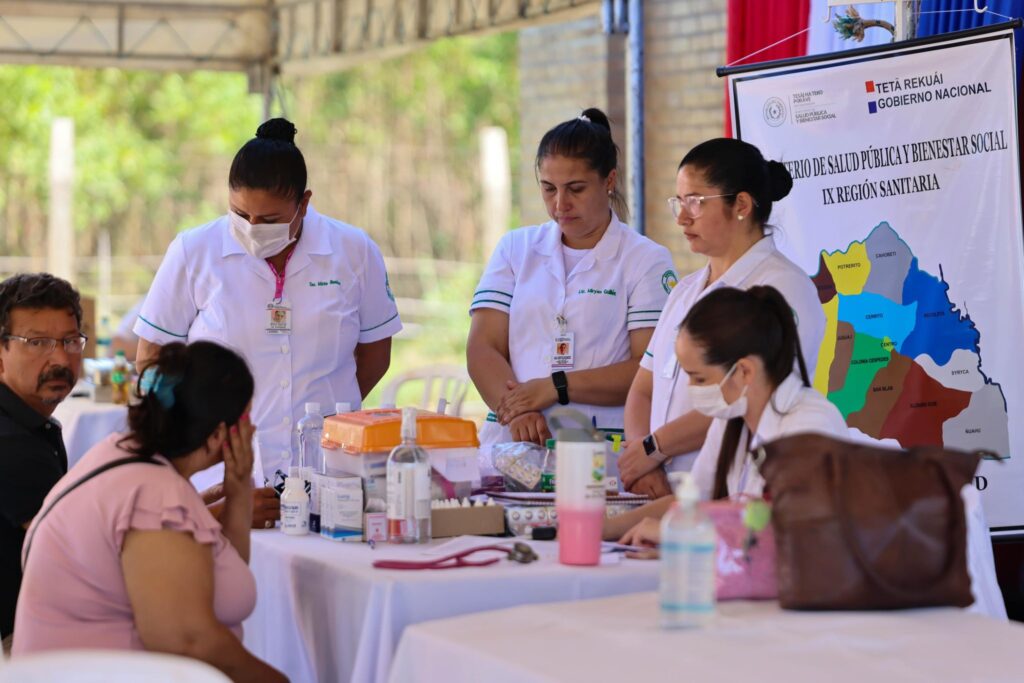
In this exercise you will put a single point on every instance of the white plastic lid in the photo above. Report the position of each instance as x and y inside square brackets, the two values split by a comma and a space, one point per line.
[312, 408]
[294, 484]
[343, 407]
[409, 423]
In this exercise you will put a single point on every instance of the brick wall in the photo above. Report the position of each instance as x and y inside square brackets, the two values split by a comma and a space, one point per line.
[563, 69]
[566, 67]
[684, 102]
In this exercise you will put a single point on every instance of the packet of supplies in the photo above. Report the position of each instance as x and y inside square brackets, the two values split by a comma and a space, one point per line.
[521, 463]
[745, 550]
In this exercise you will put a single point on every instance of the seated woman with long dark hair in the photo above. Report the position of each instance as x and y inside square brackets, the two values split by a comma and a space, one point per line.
[130, 558]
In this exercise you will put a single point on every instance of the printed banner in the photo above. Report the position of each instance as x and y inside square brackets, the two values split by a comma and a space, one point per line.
[906, 212]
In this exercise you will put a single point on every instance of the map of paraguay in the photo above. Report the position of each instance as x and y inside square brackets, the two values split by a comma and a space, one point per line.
[899, 359]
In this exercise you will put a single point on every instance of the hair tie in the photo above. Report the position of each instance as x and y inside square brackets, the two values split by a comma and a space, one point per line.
[583, 117]
[158, 385]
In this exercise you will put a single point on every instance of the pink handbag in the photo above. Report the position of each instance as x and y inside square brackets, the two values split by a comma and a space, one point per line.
[744, 558]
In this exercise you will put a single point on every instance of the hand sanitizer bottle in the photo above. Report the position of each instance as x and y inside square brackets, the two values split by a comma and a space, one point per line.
[408, 473]
[687, 585]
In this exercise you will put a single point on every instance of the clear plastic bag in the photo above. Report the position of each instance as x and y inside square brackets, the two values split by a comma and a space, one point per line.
[521, 463]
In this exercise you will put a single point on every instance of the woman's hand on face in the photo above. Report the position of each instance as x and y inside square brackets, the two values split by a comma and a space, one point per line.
[646, 534]
[530, 427]
[238, 459]
[634, 463]
[534, 395]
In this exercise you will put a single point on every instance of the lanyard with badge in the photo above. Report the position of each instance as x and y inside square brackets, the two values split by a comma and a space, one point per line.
[564, 354]
[279, 311]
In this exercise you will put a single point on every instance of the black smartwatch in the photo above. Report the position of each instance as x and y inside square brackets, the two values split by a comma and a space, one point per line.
[651, 448]
[561, 386]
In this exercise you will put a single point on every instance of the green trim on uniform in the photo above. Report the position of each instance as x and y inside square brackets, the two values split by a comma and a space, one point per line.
[370, 329]
[642, 320]
[648, 353]
[490, 301]
[179, 336]
[491, 417]
[492, 291]
[632, 312]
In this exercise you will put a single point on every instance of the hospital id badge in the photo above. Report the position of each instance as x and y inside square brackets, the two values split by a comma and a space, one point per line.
[563, 357]
[279, 317]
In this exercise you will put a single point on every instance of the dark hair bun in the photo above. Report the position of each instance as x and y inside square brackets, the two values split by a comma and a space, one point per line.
[277, 129]
[780, 182]
[598, 118]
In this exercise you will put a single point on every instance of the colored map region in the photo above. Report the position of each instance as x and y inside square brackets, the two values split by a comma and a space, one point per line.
[899, 359]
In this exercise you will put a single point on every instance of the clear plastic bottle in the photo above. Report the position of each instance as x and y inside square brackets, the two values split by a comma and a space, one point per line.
[294, 507]
[687, 585]
[408, 473]
[310, 428]
[104, 338]
[120, 378]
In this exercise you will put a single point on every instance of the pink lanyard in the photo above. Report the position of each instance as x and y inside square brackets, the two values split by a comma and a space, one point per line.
[279, 277]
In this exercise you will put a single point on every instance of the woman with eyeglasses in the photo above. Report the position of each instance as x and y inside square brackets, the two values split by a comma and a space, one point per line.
[724, 194]
[124, 555]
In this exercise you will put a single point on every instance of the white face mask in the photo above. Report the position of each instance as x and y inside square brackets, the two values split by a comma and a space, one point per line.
[262, 240]
[709, 400]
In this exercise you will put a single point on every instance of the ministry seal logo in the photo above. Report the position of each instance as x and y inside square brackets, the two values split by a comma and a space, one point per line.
[774, 112]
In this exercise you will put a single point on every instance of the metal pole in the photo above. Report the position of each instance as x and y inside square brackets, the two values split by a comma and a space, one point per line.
[635, 115]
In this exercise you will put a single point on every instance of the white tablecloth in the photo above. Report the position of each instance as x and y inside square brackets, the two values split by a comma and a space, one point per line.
[325, 614]
[85, 423]
[617, 639]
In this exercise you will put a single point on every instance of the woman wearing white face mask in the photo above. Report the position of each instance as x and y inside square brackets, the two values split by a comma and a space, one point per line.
[738, 349]
[303, 297]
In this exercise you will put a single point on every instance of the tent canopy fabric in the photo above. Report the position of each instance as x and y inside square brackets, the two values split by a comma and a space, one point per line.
[260, 37]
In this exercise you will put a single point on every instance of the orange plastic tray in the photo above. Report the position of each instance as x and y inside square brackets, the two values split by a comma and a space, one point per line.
[377, 430]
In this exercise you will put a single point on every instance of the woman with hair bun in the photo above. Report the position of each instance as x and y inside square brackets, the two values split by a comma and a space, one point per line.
[303, 297]
[564, 310]
[739, 352]
[724, 195]
[124, 555]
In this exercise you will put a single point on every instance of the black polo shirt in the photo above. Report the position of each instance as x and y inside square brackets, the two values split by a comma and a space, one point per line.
[32, 459]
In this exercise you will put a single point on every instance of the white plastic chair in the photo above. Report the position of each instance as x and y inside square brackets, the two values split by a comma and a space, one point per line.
[449, 382]
[107, 666]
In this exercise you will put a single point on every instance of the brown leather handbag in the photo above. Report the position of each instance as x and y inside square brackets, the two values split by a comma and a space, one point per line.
[861, 527]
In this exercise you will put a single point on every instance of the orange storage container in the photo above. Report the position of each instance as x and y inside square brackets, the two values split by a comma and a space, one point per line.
[379, 430]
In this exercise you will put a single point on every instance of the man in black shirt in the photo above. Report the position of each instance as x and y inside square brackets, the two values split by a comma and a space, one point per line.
[41, 345]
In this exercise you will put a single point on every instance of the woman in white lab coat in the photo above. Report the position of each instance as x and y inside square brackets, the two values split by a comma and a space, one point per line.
[724, 195]
[303, 297]
[564, 310]
[738, 349]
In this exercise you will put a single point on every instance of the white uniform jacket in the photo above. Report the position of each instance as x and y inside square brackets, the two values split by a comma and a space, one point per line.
[763, 264]
[208, 287]
[619, 286]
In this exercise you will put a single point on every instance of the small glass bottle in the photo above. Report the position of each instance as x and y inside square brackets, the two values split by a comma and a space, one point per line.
[547, 476]
[408, 475]
[120, 379]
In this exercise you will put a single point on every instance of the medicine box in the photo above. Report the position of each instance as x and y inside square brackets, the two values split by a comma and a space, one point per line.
[341, 507]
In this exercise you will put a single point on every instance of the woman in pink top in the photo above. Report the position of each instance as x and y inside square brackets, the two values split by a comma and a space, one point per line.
[132, 559]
